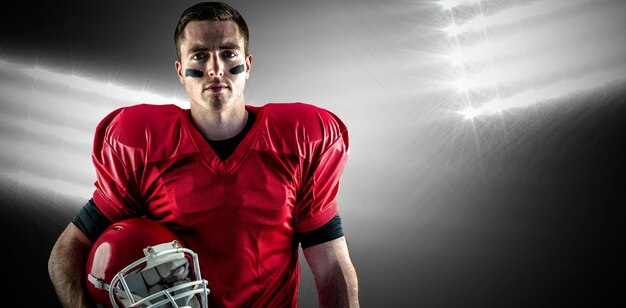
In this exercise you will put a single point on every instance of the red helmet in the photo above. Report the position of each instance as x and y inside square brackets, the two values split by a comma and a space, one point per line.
[139, 262]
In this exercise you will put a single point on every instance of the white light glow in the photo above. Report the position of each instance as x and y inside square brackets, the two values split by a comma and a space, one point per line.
[479, 52]
[450, 4]
[470, 112]
[453, 30]
[56, 185]
[66, 134]
[81, 83]
[553, 91]
[515, 14]
[554, 48]
[49, 122]
[485, 79]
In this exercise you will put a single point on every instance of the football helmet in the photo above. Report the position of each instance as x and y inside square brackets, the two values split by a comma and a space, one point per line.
[139, 262]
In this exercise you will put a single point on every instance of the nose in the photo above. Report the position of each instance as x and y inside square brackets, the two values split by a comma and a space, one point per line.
[215, 68]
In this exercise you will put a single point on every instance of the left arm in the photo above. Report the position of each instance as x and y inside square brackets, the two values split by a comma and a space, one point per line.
[334, 274]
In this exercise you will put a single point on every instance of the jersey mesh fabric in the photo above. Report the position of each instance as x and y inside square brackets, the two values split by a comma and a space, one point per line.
[241, 214]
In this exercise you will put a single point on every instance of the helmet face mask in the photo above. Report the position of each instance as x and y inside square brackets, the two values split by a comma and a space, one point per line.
[140, 263]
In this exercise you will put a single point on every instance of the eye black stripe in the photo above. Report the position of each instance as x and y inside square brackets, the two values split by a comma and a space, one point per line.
[193, 73]
[237, 69]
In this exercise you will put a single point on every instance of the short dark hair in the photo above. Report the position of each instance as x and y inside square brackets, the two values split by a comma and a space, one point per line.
[212, 11]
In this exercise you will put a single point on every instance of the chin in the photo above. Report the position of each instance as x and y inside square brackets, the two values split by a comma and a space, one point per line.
[212, 102]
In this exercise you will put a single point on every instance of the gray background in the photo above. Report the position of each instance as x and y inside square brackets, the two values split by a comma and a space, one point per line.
[522, 208]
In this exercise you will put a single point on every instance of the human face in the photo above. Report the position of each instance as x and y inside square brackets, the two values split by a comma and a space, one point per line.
[213, 66]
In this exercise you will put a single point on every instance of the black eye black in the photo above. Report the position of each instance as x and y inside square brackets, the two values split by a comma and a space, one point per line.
[229, 54]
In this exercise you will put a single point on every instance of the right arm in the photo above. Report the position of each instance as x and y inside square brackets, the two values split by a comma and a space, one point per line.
[66, 267]
[68, 259]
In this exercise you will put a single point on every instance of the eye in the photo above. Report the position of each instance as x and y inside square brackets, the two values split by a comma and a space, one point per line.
[199, 56]
[229, 54]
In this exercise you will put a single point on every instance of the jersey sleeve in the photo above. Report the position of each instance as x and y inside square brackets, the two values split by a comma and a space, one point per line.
[317, 202]
[116, 187]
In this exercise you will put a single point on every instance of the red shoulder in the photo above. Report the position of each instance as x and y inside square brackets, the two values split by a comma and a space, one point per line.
[149, 129]
[307, 121]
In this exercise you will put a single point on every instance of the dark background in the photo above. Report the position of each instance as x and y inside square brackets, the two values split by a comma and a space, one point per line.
[524, 208]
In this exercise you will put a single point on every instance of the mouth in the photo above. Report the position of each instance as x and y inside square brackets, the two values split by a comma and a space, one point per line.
[216, 87]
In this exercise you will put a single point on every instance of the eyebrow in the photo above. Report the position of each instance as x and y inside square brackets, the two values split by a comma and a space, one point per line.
[223, 46]
[229, 45]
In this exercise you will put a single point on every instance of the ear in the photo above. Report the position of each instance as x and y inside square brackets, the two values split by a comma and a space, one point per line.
[248, 64]
[179, 71]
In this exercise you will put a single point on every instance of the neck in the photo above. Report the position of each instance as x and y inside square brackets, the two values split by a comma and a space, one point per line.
[219, 125]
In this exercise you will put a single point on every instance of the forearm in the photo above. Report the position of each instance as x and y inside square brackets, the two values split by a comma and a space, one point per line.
[335, 277]
[66, 267]
[339, 288]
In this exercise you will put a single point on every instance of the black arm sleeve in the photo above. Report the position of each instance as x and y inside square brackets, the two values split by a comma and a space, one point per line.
[328, 232]
[91, 221]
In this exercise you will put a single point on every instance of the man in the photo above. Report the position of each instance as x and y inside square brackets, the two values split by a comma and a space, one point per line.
[243, 186]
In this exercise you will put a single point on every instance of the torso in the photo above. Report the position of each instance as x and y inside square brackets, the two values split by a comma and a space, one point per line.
[239, 214]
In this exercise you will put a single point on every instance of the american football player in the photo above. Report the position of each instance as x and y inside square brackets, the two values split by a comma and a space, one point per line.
[244, 186]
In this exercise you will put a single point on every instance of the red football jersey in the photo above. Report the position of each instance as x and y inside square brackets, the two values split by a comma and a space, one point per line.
[240, 215]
